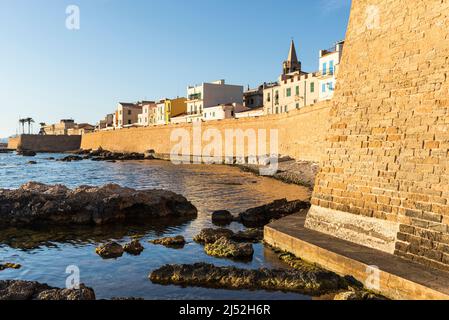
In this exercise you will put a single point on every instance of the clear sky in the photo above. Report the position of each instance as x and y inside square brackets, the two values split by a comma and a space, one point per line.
[130, 50]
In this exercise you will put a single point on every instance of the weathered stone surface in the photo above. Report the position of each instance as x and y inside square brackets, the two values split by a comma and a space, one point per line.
[260, 216]
[212, 235]
[110, 250]
[222, 217]
[178, 241]
[134, 247]
[36, 203]
[210, 276]
[27, 290]
[226, 248]
[9, 265]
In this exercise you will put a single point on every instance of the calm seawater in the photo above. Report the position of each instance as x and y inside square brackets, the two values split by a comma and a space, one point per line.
[45, 254]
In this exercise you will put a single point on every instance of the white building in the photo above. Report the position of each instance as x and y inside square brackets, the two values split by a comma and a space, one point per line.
[208, 95]
[160, 113]
[222, 111]
[146, 118]
[329, 65]
[251, 113]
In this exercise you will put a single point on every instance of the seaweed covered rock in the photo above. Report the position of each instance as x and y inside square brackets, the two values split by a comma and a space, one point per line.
[226, 248]
[9, 265]
[39, 204]
[110, 250]
[176, 242]
[28, 290]
[359, 295]
[261, 216]
[312, 283]
[134, 248]
[248, 235]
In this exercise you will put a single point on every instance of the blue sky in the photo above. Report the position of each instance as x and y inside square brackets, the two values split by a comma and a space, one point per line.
[148, 49]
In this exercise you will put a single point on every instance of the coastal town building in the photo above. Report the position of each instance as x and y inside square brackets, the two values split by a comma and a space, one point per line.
[160, 113]
[206, 95]
[175, 108]
[329, 66]
[251, 113]
[148, 116]
[222, 111]
[80, 129]
[127, 114]
[60, 128]
[253, 98]
[107, 123]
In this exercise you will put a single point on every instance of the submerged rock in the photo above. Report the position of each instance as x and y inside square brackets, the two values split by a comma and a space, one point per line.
[134, 247]
[71, 158]
[222, 217]
[26, 153]
[9, 265]
[27, 290]
[209, 276]
[110, 250]
[260, 216]
[32, 162]
[178, 241]
[40, 204]
[104, 155]
[212, 235]
[225, 248]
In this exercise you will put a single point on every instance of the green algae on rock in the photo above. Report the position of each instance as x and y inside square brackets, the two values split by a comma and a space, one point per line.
[177, 242]
[226, 248]
[312, 283]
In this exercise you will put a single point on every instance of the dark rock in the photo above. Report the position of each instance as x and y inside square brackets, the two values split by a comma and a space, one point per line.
[40, 204]
[104, 155]
[9, 265]
[27, 290]
[32, 162]
[222, 217]
[110, 250]
[226, 248]
[312, 283]
[178, 241]
[150, 155]
[261, 216]
[26, 153]
[212, 235]
[134, 248]
[249, 235]
[50, 158]
[71, 158]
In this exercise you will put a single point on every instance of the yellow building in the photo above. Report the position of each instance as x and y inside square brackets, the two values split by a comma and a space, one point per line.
[174, 108]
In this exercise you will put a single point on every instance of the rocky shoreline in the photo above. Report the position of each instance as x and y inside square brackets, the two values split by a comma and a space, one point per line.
[39, 204]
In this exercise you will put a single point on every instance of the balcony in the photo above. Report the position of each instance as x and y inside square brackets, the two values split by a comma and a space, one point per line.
[196, 96]
[325, 74]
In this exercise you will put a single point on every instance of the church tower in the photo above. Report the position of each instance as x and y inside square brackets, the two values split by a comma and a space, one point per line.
[292, 64]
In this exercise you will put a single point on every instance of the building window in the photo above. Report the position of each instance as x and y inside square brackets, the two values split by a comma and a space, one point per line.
[289, 92]
[331, 67]
[129, 121]
[331, 86]
[297, 90]
[232, 113]
[297, 106]
[276, 97]
[129, 112]
[312, 87]
[285, 108]
[277, 110]
[325, 68]
[269, 97]
[323, 88]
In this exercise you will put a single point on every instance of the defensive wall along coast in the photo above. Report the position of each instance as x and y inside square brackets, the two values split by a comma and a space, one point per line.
[300, 134]
[45, 143]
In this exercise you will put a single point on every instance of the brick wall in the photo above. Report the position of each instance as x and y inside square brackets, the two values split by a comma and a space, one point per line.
[301, 134]
[45, 143]
[387, 150]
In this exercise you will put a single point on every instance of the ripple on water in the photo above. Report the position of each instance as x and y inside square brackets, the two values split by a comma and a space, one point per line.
[45, 254]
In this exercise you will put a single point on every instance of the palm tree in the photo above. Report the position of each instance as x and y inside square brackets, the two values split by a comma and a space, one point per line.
[30, 121]
[22, 122]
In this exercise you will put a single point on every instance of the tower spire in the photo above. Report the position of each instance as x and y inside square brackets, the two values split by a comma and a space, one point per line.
[292, 64]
